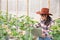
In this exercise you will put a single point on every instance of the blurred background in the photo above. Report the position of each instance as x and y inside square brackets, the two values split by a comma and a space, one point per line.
[30, 7]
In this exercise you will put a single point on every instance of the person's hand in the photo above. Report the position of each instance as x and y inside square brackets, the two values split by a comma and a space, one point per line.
[34, 37]
[43, 35]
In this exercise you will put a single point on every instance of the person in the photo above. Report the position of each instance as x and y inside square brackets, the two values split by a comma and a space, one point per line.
[45, 23]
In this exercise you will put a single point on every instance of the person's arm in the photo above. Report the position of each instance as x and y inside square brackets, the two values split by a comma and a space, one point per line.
[52, 23]
[37, 25]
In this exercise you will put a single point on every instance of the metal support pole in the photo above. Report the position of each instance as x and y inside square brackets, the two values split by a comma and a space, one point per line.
[27, 7]
[48, 3]
[0, 5]
[7, 9]
[16, 8]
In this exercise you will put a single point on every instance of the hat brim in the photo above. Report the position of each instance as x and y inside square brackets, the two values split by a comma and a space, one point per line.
[40, 13]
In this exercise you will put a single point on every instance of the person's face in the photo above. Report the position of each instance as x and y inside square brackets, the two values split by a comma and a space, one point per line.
[43, 16]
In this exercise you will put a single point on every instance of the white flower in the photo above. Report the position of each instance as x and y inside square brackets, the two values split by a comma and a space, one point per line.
[24, 32]
[13, 26]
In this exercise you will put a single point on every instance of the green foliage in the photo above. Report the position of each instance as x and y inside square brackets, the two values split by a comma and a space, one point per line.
[3, 33]
[56, 30]
[23, 23]
[26, 24]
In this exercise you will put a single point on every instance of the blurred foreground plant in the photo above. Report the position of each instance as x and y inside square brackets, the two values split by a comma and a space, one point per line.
[19, 28]
[56, 30]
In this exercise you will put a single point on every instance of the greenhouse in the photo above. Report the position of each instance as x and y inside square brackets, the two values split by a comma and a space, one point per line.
[18, 18]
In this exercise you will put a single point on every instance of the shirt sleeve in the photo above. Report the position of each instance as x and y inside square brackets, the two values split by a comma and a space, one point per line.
[52, 22]
[37, 25]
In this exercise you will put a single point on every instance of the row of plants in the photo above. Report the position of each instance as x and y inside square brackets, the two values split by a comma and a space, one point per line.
[15, 27]
[19, 28]
[56, 30]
